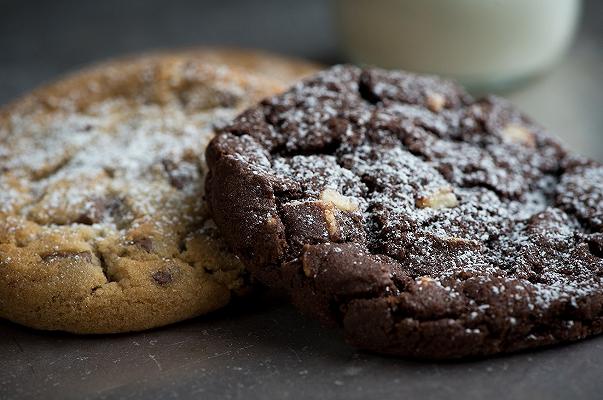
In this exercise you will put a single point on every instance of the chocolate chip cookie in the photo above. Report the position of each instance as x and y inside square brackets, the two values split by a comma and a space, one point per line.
[424, 222]
[102, 224]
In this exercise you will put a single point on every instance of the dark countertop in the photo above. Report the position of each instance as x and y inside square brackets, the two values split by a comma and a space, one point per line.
[267, 350]
[41, 40]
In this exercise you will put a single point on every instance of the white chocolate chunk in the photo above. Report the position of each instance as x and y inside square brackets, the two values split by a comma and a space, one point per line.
[441, 198]
[435, 102]
[518, 134]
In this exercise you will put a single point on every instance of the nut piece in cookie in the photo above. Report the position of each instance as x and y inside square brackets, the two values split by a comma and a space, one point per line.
[441, 198]
[519, 134]
[340, 201]
[435, 102]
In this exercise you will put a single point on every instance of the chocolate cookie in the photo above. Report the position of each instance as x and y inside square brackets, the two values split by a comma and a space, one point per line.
[102, 226]
[424, 222]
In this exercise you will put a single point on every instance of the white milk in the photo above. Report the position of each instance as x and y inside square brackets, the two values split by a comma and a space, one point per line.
[482, 43]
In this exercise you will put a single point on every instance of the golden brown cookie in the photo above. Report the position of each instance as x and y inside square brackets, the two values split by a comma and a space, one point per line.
[102, 224]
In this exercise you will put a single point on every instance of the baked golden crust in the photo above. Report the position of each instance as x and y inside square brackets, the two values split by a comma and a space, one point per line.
[102, 224]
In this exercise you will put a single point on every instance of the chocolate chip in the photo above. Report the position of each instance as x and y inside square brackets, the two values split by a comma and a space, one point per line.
[93, 213]
[227, 99]
[110, 171]
[595, 245]
[365, 88]
[144, 243]
[99, 208]
[176, 178]
[86, 219]
[162, 277]
[168, 165]
[178, 182]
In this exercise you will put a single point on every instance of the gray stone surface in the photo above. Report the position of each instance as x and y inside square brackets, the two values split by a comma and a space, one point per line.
[270, 352]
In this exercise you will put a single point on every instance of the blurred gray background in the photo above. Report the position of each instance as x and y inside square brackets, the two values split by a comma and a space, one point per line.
[41, 40]
[266, 349]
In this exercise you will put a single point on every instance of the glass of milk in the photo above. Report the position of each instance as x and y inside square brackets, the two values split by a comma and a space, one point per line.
[484, 44]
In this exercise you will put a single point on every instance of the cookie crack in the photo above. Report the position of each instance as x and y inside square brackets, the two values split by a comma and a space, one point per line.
[104, 266]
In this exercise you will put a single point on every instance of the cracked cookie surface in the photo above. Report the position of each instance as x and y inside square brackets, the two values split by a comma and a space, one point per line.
[102, 224]
[424, 222]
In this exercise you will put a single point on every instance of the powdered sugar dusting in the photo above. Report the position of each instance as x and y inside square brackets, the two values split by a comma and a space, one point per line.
[503, 224]
[121, 162]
